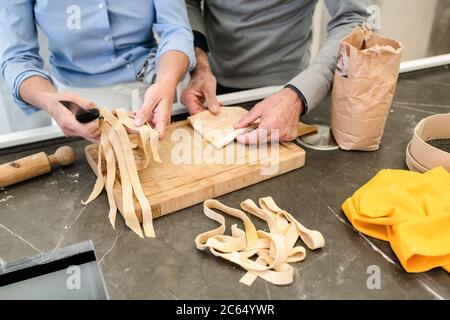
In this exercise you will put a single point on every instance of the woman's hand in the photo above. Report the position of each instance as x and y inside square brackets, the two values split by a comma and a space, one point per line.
[157, 107]
[41, 93]
[158, 101]
[65, 117]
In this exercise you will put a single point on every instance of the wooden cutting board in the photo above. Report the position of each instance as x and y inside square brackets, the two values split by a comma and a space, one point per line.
[182, 179]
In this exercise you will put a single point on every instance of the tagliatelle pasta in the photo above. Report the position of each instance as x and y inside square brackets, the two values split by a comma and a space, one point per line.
[274, 250]
[117, 149]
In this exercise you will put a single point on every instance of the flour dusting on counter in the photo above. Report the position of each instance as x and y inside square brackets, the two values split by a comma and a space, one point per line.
[6, 198]
[74, 177]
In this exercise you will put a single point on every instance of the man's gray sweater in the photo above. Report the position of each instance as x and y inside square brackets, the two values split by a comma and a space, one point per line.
[255, 43]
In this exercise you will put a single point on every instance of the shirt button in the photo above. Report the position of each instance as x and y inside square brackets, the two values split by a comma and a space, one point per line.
[112, 59]
[106, 38]
[128, 66]
[100, 5]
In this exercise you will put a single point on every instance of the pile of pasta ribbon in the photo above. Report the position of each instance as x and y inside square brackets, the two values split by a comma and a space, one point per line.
[274, 250]
[117, 150]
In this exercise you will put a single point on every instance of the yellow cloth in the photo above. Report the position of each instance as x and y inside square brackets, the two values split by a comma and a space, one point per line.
[410, 210]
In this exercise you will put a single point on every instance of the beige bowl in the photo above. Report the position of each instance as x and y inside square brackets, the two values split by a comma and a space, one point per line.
[430, 128]
[412, 163]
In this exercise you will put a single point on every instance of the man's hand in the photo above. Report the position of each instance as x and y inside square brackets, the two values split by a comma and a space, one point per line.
[66, 117]
[157, 107]
[201, 88]
[280, 111]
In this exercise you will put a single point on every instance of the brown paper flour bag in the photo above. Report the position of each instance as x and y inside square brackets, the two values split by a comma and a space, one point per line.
[363, 88]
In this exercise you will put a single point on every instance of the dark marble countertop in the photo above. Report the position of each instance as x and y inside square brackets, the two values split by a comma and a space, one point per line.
[45, 213]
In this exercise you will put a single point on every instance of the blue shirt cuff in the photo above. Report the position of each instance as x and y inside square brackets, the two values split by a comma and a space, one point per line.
[178, 44]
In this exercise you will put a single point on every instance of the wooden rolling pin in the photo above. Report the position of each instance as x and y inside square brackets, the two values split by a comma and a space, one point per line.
[34, 165]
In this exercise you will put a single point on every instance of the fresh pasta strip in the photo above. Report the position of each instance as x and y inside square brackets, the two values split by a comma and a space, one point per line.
[117, 149]
[132, 173]
[274, 250]
[110, 178]
[146, 134]
[312, 238]
[128, 209]
[99, 183]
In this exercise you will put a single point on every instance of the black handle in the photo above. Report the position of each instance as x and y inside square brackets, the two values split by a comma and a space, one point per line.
[85, 116]
[82, 116]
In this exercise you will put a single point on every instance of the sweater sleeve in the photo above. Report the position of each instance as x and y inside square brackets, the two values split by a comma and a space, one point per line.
[315, 81]
[195, 13]
[194, 9]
